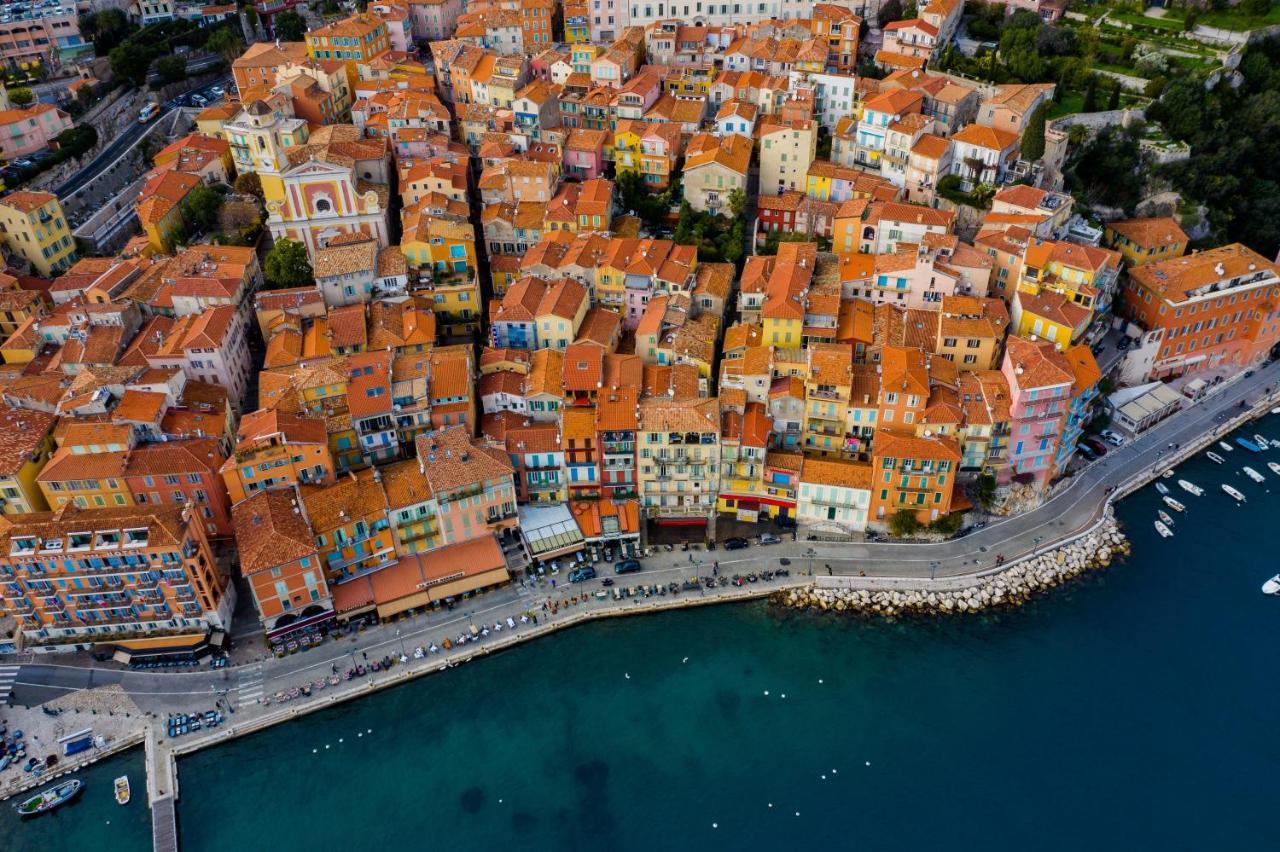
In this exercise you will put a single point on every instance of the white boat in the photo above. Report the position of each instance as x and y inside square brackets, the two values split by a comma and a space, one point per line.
[1275, 445]
[1275, 467]
[1214, 457]
[1164, 531]
[1226, 446]
[1254, 475]
[1234, 493]
[1165, 517]
[1174, 504]
[122, 790]
[1168, 474]
[1192, 488]
[1276, 410]
[1162, 488]
[1272, 586]
[1261, 441]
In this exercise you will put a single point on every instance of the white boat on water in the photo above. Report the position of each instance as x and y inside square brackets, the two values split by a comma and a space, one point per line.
[1214, 457]
[1226, 446]
[1272, 586]
[122, 790]
[1162, 488]
[1275, 445]
[1165, 517]
[1168, 474]
[1234, 493]
[1174, 504]
[1164, 531]
[1275, 467]
[1192, 488]
[1276, 410]
[1261, 441]
[1254, 475]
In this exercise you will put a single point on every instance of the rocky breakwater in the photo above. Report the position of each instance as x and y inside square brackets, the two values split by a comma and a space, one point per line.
[1010, 587]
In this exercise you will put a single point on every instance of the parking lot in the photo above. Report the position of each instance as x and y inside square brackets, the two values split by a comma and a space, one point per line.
[206, 95]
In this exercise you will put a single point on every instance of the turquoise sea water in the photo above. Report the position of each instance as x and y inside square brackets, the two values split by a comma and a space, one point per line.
[1135, 709]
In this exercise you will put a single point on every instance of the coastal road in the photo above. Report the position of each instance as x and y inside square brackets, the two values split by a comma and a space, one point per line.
[108, 155]
[1073, 508]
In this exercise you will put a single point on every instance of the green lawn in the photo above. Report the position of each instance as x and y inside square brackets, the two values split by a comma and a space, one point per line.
[1144, 21]
[1068, 104]
[1235, 19]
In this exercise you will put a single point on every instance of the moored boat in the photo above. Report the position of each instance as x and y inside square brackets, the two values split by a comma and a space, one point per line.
[1272, 586]
[1165, 517]
[1275, 467]
[50, 799]
[122, 790]
[1191, 487]
[1233, 492]
[1248, 445]
[1253, 474]
[1174, 504]
[1162, 488]
[1164, 531]
[1226, 446]
[1168, 474]
[1214, 457]
[1262, 442]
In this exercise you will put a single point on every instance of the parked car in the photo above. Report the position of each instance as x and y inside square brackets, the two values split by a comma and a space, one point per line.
[199, 100]
[735, 543]
[1084, 450]
[769, 538]
[217, 91]
[607, 581]
[627, 566]
[1112, 438]
[579, 575]
[1095, 444]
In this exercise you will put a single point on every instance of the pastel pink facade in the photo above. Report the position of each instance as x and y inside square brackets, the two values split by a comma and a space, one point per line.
[25, 131]
[585, 164]
[1039, 400]
[434, 20]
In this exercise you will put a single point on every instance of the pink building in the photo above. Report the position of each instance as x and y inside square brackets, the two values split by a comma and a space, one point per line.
[1040, 382]
[399, 26]
[584, 153]
[434, 20]
[25, 131]
[210, 347]
[35, 34]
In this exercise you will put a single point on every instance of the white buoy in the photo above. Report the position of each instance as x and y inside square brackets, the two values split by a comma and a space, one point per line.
[824, 778]
[868, 763]
[771, 804]
[368, 730]
[784, 695]
[766, 692]
[499, 801]
[833, 772]
[797, 813]
[627, 675]
[315, 750]
[685, 660]
[339, 739]
[326, 746]
[715, 825]
[819, 680]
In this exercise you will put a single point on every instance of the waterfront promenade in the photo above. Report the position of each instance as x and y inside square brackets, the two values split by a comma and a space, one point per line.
[1075, 507]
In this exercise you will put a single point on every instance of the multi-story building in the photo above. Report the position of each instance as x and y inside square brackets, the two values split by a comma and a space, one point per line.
[275, 450]
[38, 33]
[1084, 390]
[280, 561]
[828, 383]
[679, 460]
[261, 135]
[1141, 241]
[914, 473]
[356, 40]
[834, 497]
[76, 577]
[473, 484]
[349, 522]
[1215, 309]
[744, 445]
[1040, 381]
[34, 229]
[182, 473]
[787, 148]
[616, 424]
[26, 442]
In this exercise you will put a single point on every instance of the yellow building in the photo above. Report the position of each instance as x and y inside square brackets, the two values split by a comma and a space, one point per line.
[1142, 241]
[1061, 286]
[275, 450]
[744, 444]
[261, 135]
[159, 207]
[787, 148]
[25, 444]
[89, 480]
[356, 40]
[443, 248]
[828, 385]
[33, 227]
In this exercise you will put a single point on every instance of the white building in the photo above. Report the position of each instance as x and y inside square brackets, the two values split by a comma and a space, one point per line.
[834, 498]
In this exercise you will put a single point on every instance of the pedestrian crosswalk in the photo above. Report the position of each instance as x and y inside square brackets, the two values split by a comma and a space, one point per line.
[8, 674]
[249, 689]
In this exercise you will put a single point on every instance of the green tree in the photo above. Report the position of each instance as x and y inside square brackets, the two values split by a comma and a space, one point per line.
[1256, 8]
[250, 184]
[225, 42]
[737, 204]
[171, 69]
[131, 62]
[1113, 103]
[289, 26]
[200, 209]
[106, 29]
[904, 523]
[251, 15]
[22, 97]
[287, 265]
[1190, 19]
[984, 490]
[1090, 96]
[1033, 136]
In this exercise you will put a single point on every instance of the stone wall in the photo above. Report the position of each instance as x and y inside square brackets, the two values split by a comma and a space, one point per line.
[1010, 587]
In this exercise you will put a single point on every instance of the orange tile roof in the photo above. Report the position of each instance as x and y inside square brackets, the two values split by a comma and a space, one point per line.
[269, 533]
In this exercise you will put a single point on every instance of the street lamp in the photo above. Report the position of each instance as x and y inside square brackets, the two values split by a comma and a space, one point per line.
[401, 638]
[933, 570]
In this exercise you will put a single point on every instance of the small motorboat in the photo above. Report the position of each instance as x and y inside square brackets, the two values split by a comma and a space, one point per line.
[1272, 586]
[1164, 531]
[1262, 442]
[1248, 445]
[1275, 467]
[1253, 474]
[1168, 474]
[1275, 445]
[1191, 487]
[1162, 488]
[1276, 410]
[1214, 457]
[1226, 446]
[1174, 504]
[122, 790]
[1233, 492]
[1165, 518]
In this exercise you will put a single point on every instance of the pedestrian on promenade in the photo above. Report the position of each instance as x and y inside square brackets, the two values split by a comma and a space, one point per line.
[364, 654]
